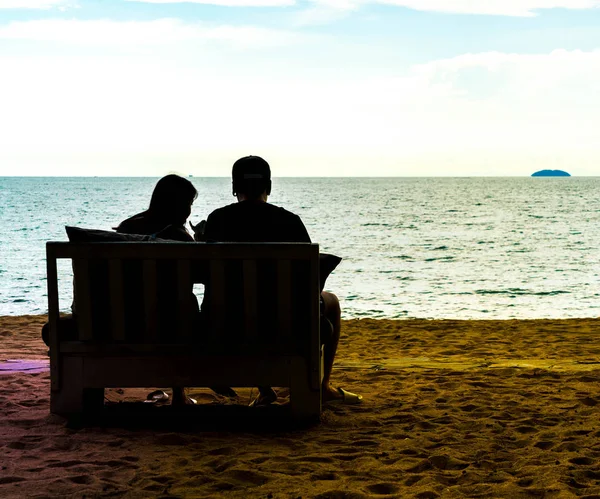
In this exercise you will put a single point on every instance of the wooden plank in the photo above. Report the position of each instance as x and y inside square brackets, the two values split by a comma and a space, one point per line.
[83, 299]
[187, 370]
[259, 251]
[187, 251]
[69, 399]
[150, 302]
[53, 314]
[218, 305]
[184, 299]
[250, 301]
[117, 297]
[305, 400]
[166, 349]
[315, 336]
[284, 301]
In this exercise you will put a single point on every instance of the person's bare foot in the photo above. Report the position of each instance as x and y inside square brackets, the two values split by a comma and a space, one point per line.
[330, 393]
[340, 396]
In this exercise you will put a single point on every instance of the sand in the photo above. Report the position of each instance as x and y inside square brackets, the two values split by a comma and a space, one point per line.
[451, 409]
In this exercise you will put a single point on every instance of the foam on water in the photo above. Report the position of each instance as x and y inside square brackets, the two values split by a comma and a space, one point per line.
[412, 247]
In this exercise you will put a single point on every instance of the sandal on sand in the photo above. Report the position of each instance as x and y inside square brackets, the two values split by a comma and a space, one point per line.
[263, 400]
[225, 391]
[347, 398]
[156, 397]
[180, 403]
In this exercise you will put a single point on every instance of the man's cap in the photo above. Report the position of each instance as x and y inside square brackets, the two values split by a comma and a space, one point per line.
[251, 168]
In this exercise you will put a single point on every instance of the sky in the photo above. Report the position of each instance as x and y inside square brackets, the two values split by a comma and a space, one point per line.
[316, 87]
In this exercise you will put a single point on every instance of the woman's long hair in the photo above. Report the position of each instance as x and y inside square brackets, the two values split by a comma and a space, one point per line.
[171, 199]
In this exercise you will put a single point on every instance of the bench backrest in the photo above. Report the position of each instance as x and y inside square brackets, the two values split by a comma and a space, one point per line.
[258, 296]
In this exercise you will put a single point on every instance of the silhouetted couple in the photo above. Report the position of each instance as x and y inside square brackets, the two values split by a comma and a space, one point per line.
[251, 219]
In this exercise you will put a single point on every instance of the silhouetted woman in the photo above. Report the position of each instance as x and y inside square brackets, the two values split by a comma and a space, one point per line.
[170, 206]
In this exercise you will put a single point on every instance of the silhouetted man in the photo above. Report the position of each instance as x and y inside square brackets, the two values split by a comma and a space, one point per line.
[252, 219]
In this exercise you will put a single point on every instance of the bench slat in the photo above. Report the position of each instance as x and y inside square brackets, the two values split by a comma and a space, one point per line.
[184, 299]
[53, 314]
[284, 300]
[250, 300]
[150, 301]
[117, 310]
[81, 273]
[218, 307]
[191, 251]
[315, 336]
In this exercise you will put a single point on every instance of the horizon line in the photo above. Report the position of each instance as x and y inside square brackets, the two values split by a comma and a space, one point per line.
[303, 176]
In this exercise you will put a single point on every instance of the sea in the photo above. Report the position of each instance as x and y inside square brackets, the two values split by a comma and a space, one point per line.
[452, 248]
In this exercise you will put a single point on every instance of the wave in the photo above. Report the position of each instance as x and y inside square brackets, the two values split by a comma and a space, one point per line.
[520, 292]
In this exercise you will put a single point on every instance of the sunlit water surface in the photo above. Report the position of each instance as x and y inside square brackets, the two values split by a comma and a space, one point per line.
[412, 247]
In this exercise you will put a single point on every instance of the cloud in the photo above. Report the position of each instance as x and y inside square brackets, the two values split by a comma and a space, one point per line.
[328, 10]
[33, 4]
[139, 33]
[227, 3]
[517, 74]
[537, 104]
[488, 112]
[319, 12]
[324, 11]
[523, 8]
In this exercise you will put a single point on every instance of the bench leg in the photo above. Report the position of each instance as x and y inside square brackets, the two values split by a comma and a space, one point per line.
[305, 402]
[73, 398]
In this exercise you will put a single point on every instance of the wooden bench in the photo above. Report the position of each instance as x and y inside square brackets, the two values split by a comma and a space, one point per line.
[261, 326]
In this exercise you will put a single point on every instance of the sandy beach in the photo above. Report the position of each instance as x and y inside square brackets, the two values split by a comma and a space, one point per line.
[451, 409]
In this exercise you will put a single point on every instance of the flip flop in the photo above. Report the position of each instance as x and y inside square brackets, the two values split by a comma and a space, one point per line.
[156, 397]
[225, 391]
[262, 401]
[188, 401]
[347, 398]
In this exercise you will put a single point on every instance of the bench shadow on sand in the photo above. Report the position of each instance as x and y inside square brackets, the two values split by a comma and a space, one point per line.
[200, 418]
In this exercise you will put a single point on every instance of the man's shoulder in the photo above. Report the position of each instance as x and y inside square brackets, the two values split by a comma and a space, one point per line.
[259, 222]
[244, 206]
[224, 210]
[280, 211]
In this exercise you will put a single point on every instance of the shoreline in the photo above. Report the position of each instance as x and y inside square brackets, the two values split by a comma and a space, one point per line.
[452, 408]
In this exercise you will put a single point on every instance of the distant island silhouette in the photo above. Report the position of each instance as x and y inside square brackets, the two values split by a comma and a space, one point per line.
[551, 173]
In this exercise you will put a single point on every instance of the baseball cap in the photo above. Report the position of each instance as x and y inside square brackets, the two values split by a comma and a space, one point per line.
[251, 168]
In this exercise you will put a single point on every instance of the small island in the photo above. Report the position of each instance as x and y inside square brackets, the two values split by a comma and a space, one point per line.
[551, 173]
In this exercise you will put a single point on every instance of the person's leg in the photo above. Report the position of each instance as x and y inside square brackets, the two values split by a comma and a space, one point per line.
[266, 396]
[67, 329]
[46, 334]
[180, 398]
[333, 313]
